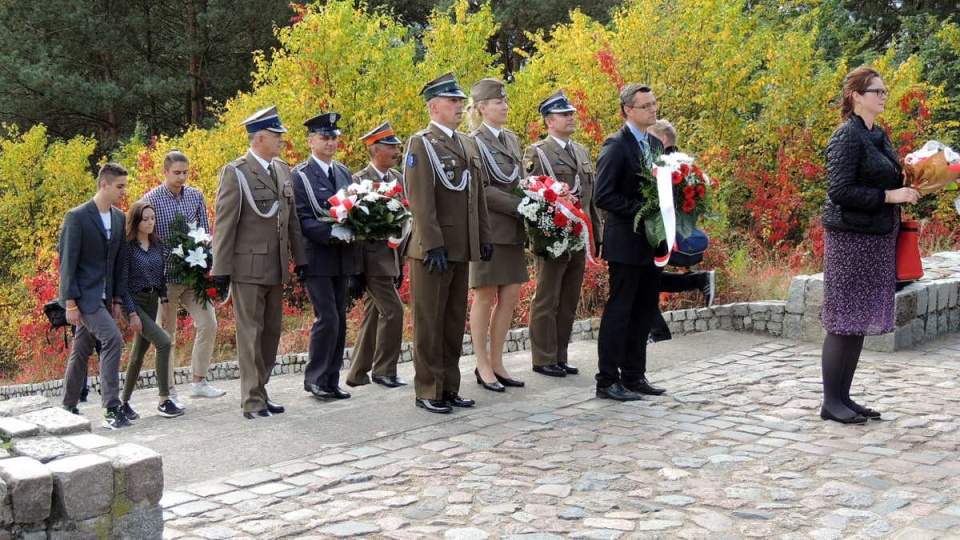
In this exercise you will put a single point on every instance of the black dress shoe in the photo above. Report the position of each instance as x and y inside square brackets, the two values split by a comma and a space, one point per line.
[493, 387]
[509, 381]
[318, 392]
[552, 371]
[643, 386]
[338, 393]
[571, 370]
[434, 405]
[618, 392]
[258, 414]
[390, 381]
[454, 400]
[274, 408]
[854, 419]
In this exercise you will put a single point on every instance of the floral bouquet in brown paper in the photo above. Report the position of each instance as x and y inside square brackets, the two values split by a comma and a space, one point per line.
[933, 167]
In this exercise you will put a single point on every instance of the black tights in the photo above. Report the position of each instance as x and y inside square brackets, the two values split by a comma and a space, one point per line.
[840, 357]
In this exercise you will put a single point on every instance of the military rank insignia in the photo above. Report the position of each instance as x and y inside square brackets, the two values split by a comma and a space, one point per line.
[411, 160]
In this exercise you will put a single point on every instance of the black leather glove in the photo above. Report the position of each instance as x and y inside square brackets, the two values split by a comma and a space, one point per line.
[355, 287]
[486, 252]
[300, 270]
[436, 259]
[221, 282]
[398, 281]
[597, 249]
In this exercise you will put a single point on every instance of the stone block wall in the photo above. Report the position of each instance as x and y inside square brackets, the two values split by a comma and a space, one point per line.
[58, 481]
[925, 309]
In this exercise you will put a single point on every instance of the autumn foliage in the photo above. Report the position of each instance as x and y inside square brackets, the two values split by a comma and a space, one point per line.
[750, 90]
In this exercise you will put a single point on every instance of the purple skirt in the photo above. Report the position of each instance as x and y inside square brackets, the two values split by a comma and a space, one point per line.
[859, 282]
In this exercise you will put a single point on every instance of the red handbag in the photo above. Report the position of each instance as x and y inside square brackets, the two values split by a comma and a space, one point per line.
[909, 266]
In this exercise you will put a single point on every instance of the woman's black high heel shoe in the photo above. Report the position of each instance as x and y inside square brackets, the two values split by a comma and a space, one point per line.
[493, 387]
[507, 381]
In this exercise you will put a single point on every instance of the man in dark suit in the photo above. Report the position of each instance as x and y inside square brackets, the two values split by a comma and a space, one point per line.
[330, 260]
[634, 277]
[255, 231]
[381, 333]
[554, 305]
[442, 174]
[92, 283]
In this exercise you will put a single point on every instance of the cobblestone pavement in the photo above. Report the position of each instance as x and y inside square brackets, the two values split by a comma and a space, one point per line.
[734, 450]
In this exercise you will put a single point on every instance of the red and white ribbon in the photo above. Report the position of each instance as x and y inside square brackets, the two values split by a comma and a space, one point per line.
[571, 212]
[664, 176]
[340, 206]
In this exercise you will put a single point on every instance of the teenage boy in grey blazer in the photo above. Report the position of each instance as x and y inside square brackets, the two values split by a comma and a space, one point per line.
[92, 282]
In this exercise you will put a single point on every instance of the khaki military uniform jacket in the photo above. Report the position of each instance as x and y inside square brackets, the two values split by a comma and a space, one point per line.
[506, 226]
[566, 170]
[247, 246]
[456, 220]
[379, 259]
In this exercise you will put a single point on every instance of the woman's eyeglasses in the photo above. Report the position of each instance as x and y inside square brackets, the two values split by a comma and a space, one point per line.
[880, 92]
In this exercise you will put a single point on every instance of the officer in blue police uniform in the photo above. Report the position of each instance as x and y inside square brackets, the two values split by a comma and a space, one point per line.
[330, 261]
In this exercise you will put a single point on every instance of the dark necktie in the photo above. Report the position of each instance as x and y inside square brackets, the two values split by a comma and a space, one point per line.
[645, 149]
[502, 139]
[272, 171]
[573, 154]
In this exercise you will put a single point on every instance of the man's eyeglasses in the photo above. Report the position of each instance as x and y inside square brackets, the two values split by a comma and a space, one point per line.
[880, 92]
[645, 106]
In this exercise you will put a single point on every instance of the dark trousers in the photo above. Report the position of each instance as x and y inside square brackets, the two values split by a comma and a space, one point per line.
[673, 282]
[626, 322]
[439, 305]
[328, 335]
[97, 326]
[381, 333]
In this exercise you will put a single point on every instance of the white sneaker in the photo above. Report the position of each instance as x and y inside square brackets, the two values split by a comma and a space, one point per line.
[203, 389]
[175, 398]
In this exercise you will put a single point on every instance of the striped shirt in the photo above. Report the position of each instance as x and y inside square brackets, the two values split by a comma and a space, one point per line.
[190, 204]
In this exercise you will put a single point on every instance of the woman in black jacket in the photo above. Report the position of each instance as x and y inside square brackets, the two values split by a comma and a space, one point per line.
[860, 217]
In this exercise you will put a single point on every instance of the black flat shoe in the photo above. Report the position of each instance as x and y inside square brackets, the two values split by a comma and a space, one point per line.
[508, 381]
[571, 370]
[855, 419]
[863, 411]
[550, 371]
[258, 414]
[275, 408]
[454, 400]
[434, 405]
[493, 387]
[643, 386]
[390, 381]
[338, 393]
[616, 391]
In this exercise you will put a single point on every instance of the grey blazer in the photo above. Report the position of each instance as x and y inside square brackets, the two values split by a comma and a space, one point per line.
[89, 263]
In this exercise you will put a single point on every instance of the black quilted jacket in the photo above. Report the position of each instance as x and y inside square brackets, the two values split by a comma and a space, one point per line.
[861, 165]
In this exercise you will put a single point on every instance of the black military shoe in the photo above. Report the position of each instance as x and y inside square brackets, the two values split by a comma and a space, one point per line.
[643, 386]
[434, 405]
[338, 393]
[454, 400]
[258, 414]
[571, 370]
[275, 408]
[551, 371]
[390, 381]
[617, 392]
